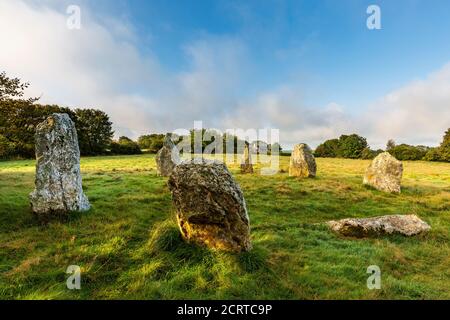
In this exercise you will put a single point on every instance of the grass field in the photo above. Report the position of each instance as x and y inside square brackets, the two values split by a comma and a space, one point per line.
[128, 246]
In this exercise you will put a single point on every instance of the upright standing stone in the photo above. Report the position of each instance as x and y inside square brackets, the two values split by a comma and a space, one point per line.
[58, 178]
[302, 162]
[246, 162]
[384, 173]
[211, 209]
[167, 157]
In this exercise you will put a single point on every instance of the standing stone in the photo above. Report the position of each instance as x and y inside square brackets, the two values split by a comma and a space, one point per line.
[210, 205]
[246, 162]
[302, 162]
[384, 173]
[167, 157]
[58, 178]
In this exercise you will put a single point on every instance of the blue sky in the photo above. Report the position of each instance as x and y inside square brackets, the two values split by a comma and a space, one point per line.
[326, 43]
[310, 68]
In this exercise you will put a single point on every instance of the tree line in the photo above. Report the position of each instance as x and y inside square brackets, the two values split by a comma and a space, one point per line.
[355, 147]
[19, 118]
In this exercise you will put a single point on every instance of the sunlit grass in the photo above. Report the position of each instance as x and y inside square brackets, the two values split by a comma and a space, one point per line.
[128, 246]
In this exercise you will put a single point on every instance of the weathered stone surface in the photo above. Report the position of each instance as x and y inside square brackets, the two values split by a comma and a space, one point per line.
[167, 158]
[58, 178]
[384, 173]
[246, 162]
[210, 205]
[408, 225]
[302, 162]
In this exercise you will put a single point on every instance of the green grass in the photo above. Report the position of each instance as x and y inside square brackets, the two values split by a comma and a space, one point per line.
[128, 246]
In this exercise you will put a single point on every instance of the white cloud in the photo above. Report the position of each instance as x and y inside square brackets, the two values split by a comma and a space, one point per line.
[100, 66]
[418, 113]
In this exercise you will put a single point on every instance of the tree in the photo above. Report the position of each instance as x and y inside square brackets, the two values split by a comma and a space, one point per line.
[441, 153]
[18, 121]
[369, 154]
[151, 142]
[390, 144]
[7, 148]
[351, 146]
[328, 149]
[407, 152]
[13, 88]
[94, 131]
[124, 146]
[445, 147]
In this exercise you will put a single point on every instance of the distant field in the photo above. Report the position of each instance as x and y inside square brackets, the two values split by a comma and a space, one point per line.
[128, 245]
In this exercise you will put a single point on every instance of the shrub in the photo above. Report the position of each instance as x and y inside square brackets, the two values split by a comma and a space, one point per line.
[125, 146]
[407, 152]
[7, 148]
[369, 154]
[151, 142]
[351, 146]
[328, 149]
[433, 155]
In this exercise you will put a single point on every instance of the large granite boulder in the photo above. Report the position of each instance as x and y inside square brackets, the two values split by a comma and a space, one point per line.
[246, 161]
[303, 163]
[58, 178]
[407, 225]
[210, 205]
[384, 173]
[167, 158]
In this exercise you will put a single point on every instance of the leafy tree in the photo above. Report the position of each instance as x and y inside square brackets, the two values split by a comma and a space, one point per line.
[369, 154]
[7, 148]
[441, 153]
[94, 131]
[390, 144]
[445, 147]
[328, 149]
[351, 146]
[407, 152]
[433, 154]
[125, 146]
[151, 142]
[11, 88]
[18, 121]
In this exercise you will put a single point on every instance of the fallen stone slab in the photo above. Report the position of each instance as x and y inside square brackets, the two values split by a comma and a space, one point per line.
[407, 225]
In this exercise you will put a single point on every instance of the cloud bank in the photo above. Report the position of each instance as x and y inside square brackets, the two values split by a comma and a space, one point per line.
[101, 66]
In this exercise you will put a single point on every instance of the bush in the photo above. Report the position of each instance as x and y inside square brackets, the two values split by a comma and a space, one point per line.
[125, 146]
[7, 148]
[347, 146]
[441, 153]
[151, 142]
[369, 154]
[351, 146]
[433, 155]
[407, 152]
[328, 149]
